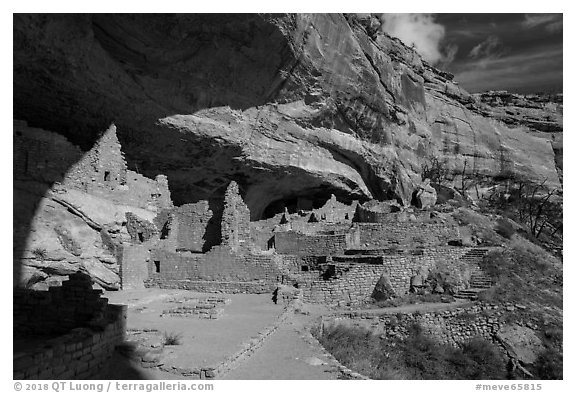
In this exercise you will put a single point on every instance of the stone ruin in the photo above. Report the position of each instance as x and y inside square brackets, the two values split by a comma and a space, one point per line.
[342, 254]
[335, 253]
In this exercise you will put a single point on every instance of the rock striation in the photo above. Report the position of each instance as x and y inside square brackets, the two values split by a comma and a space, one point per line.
[285, 105]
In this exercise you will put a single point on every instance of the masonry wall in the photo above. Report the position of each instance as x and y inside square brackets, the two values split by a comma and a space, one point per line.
[41, 155]
[255, 273]
[48, 157]
[335, 212]
[189, 228]
[235, 226]
[134, 266]
[80, 331]
[406, 234]
[355, 278]
[74, 304]
[453, 327]
[296, 243]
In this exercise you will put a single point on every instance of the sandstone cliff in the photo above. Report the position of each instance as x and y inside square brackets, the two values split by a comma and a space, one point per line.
[286, 105]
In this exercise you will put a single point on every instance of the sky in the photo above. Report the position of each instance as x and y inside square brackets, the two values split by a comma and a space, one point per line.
[520, 53]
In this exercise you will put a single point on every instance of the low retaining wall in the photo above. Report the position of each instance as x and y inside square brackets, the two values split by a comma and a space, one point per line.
[454, 327]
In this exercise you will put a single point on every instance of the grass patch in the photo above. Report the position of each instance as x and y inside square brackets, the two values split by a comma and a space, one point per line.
[40, 253]
[172, 338]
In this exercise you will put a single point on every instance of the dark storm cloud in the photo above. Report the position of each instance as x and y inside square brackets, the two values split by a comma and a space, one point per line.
[516, 52]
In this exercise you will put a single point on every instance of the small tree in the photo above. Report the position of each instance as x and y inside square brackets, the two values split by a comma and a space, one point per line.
[435, 170]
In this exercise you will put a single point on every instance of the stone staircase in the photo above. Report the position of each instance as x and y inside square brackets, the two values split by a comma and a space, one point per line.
[479, 281]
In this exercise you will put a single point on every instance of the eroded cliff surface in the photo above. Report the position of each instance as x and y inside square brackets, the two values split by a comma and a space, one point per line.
[286, 105]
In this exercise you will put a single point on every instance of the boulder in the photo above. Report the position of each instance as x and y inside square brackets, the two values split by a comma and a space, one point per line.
[101, 274]
[425, 196]
[521, 343]
[30, 275]
[383, 289]
[54, 268]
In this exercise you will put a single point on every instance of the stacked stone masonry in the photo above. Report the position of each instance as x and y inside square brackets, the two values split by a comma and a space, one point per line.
[235, 219]
[49, 158]
[79, 331]
[296, 243]
[256, 273]
[406, 234]
[453, 327]
[353, 279]
[134, 265]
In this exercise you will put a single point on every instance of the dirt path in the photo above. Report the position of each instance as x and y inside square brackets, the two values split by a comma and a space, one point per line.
[288, 354]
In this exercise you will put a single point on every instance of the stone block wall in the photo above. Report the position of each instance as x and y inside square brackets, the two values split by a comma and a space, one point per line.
[335, 212]
[353, 282]
[453, 327]
[406, 234]
[235, 219]
[189, 227]
[41, 155]
[140, 230]
[78, 328]
[48, 157]
[102, 168]
[60, 309]
[296, 243]
[82, 353]
[134, 266]
[221, 265]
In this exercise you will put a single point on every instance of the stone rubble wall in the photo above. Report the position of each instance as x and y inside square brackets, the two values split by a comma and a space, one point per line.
[81, 331]
[453, 327]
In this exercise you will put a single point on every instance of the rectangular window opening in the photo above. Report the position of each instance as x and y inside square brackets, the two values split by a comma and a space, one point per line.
[157, 266]
[107, 176]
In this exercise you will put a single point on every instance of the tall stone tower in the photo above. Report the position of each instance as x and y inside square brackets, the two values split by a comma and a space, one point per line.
[235, 219]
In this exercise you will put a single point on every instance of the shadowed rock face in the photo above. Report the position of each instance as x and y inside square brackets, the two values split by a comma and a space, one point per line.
[285, 105]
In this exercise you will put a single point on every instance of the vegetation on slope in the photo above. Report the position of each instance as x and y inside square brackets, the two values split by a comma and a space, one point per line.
[417, 357]
[527, 275]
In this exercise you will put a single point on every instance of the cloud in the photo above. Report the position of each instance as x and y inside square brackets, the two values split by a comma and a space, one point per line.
[491, 47]
[551, 22]
[525, 72]
[422, 32]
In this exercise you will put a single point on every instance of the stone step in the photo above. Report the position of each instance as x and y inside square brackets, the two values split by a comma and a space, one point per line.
[466, 296]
